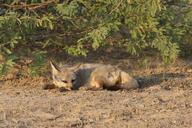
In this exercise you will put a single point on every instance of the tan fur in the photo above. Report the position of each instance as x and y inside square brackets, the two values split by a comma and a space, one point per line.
[63, 77]
[91, 76]
[111, 77]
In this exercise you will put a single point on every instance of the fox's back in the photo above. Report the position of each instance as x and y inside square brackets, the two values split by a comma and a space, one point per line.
[84, 72]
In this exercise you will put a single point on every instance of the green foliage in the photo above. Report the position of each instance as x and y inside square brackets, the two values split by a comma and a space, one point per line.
[38, 63]
[144, 63]
[7, 63]
[176, 20]
[81, 26]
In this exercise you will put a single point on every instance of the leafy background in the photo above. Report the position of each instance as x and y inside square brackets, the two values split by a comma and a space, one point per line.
[36, 28]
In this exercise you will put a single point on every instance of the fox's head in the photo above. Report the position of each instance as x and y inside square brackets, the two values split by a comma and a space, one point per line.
[63, 77]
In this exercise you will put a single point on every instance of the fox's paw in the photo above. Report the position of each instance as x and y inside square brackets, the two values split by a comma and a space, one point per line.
[84, 88]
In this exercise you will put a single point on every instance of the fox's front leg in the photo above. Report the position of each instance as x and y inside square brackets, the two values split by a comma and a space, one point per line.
[84, 87]
[94, 85]
[93, 88]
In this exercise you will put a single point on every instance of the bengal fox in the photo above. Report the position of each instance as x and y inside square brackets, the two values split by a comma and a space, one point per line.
[91, 77]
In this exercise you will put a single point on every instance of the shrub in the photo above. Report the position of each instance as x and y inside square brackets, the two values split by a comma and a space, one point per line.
[80, 26]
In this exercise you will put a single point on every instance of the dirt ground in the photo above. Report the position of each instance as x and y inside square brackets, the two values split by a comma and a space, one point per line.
[163, 101]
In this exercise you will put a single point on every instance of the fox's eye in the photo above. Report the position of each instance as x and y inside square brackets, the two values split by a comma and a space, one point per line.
[73, 80]
[64, 81]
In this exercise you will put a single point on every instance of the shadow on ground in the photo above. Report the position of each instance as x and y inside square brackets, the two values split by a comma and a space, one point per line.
[156, 79]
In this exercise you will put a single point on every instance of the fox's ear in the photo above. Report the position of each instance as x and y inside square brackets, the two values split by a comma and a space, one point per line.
[55, 68]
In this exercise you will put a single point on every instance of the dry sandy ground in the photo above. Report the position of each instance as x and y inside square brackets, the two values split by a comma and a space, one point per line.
[164, 101]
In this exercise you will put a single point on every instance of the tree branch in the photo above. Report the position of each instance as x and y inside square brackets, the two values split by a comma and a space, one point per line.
[30, 6]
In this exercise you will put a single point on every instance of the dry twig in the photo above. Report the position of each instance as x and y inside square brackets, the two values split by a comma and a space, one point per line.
[30, 6]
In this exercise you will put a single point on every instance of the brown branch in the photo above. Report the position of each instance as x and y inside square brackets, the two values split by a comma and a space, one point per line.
[120, 2]
[30, 6]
